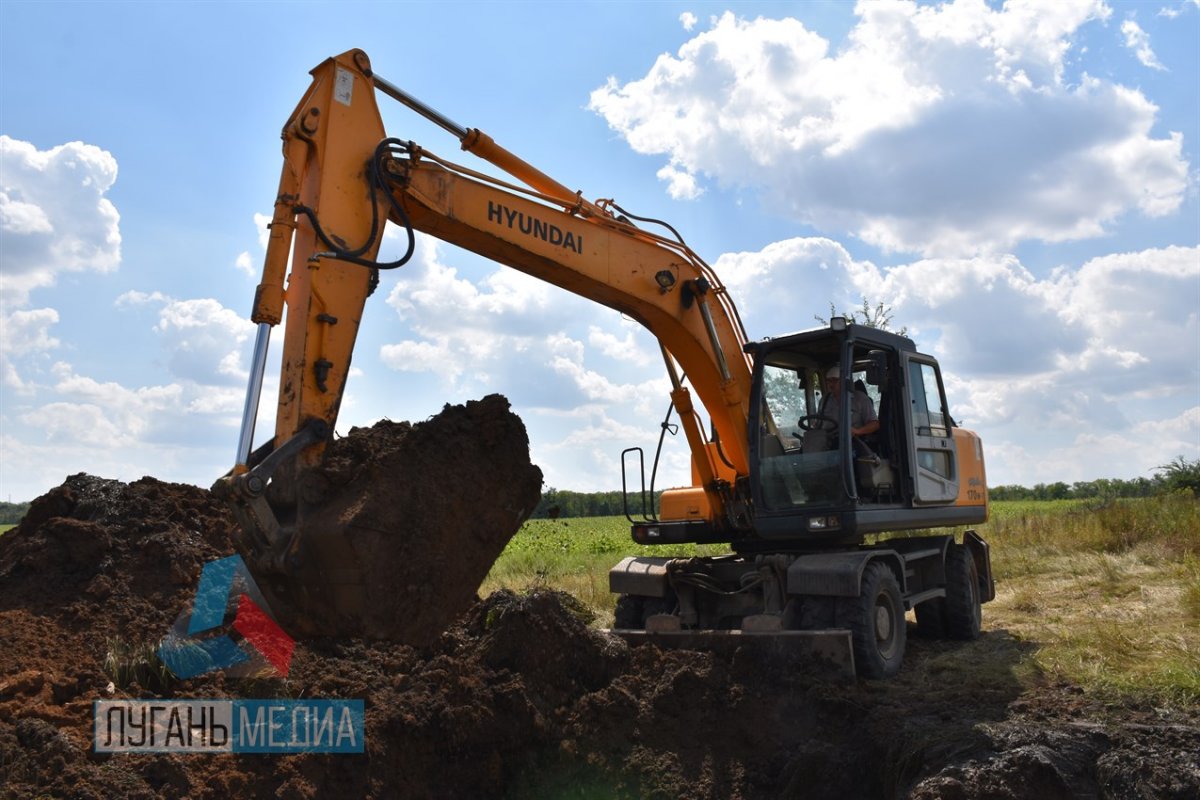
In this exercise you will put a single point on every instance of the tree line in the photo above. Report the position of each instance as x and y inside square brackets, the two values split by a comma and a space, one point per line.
[1079, 490]
[1180, 475]
[11, 513]
[564, 503]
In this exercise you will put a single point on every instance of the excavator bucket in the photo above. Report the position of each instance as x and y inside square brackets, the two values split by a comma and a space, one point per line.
[391, 534]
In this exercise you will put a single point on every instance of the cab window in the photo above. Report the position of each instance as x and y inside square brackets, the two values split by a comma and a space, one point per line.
[929, 407]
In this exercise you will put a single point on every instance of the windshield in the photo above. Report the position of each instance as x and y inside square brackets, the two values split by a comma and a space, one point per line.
[799, 462]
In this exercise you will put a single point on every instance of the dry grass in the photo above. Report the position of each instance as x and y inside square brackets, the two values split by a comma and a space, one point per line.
[1108, 595]
[127, 663]
[1190, 574]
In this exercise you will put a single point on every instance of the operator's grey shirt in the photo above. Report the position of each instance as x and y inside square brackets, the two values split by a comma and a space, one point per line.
[823, 436]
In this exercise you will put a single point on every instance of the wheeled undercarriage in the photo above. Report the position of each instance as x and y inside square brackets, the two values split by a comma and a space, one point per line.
[810, 603]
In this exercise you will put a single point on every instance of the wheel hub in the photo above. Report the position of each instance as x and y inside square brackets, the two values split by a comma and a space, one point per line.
[883, 624]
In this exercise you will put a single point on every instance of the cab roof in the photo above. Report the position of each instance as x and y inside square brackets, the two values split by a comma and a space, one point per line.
[862, 334]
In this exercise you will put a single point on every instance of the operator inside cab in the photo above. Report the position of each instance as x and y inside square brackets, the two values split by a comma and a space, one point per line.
[823, 434]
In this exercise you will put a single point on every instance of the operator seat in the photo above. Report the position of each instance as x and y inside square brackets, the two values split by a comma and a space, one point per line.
[872, 456]
[874, 474]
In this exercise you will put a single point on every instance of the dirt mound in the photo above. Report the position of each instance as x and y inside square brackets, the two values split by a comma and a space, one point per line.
[107, 559]
[401, 522]
[1075, 759]
[525, 634]
[520, 698]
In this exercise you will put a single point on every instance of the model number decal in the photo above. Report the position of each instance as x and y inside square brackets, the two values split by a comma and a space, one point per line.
[343, 86]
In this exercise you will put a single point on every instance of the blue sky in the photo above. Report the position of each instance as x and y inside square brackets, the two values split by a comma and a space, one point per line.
[1018, 181]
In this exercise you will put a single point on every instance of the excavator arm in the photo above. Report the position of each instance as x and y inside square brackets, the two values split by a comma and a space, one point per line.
[343, 177]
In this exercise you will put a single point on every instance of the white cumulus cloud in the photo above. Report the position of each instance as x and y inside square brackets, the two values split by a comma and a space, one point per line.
[54, 214]
[205, 342]
[24, 333]
[948, 129]
[627, 348]
[244, 263]
[28, 331]
[1106, 350]
[1138, 41]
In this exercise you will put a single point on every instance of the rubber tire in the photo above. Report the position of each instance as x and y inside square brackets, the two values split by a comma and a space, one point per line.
[963, 610]
[876, 622]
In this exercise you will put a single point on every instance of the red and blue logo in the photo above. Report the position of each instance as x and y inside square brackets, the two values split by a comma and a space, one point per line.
[228, 628]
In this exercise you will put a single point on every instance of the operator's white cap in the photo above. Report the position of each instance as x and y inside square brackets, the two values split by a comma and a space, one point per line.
[833, 372]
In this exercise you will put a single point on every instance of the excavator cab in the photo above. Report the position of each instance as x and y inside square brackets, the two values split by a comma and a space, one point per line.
[814, 481]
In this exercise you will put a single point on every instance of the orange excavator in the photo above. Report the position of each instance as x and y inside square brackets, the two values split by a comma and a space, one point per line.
[820, 447]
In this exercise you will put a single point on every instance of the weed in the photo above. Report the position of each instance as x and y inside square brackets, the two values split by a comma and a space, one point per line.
[1190, 599]
[1027, 599]
[126, 663]
[493, 616]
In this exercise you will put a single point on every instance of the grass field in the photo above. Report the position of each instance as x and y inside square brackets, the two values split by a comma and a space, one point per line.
[1110, 594]
[574, 555]
[1106, 595]
[6, 528]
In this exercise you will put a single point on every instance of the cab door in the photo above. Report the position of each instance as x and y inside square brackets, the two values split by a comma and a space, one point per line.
[930, 443]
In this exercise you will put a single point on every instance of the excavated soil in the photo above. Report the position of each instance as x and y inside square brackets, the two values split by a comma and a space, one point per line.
[520, 698]
[402, 522]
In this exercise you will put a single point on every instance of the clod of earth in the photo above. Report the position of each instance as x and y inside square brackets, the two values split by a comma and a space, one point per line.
[400, 523]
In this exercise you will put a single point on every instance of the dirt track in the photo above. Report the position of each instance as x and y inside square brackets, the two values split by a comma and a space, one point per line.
[521, 699]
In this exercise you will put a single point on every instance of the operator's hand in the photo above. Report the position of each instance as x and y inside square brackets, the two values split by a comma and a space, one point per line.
[866, 430]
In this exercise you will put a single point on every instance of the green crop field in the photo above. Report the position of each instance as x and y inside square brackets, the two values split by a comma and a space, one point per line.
[574, 555]
[1104, 594]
